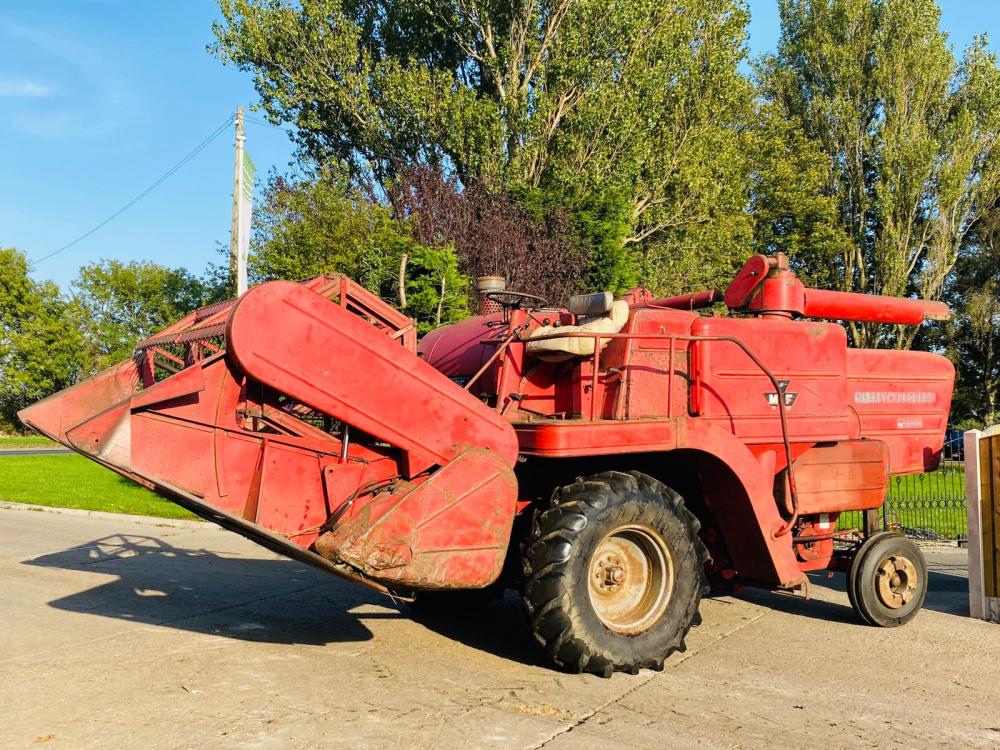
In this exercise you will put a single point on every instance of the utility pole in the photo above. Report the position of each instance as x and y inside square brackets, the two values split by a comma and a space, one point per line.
[237, 274]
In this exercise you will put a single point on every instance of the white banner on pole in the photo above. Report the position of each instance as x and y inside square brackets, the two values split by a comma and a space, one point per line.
[243, 225]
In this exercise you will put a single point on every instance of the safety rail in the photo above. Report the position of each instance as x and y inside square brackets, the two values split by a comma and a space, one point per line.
[201, 333]
[672, 338]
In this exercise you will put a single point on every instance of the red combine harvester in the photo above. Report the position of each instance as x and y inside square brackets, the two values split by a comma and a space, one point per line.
[609, 460]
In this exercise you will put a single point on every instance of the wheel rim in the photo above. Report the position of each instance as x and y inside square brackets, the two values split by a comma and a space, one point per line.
[631, 579]
[896, 581]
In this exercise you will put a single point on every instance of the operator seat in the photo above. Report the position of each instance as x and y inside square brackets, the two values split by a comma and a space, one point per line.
[595, 313]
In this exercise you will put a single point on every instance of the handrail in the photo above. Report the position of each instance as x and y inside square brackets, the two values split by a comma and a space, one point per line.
[597, 337]
[492, 359]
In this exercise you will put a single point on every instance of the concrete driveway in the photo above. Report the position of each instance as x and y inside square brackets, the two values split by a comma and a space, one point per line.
[117, 633]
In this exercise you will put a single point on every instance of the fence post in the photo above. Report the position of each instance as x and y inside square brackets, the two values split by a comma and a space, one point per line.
[982, 489]
[973, 488]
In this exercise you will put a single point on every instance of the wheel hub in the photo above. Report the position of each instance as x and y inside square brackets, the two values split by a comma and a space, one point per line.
[896, 581]
[610, 573]
[631, 579]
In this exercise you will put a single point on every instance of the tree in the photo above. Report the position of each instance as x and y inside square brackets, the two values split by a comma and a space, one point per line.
[971, 340]
[40, 344]
[527, 241]
[792, 209]
[634, 98]
[317, 222]
[909, 134]
[123, 303]
[436, 293]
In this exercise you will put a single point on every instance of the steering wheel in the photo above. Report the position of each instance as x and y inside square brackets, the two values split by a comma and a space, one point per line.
[515, 300]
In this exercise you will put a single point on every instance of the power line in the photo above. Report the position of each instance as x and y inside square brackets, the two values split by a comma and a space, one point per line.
[265, 123]
[159, 181]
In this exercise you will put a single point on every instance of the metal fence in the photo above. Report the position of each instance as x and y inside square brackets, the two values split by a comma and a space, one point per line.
[926, 506]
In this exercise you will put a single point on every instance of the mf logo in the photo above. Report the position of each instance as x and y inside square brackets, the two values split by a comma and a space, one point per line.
[789, 397]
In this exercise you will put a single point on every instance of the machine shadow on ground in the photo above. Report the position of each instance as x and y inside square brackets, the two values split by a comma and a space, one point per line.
[264, 600]
[284, 602]
[498, 628]
[947, 593]
[947, 588]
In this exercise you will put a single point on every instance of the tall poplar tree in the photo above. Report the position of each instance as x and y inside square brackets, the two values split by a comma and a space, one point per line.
[909, 133]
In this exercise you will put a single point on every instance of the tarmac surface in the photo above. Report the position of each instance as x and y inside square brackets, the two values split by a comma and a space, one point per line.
[117, 632]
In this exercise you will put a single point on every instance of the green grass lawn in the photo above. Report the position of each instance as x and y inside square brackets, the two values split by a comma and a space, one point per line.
[947, 482]
[26, 441]
[71, 481]
[933, 503]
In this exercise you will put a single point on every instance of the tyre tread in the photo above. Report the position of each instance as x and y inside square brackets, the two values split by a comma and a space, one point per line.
[555, 529]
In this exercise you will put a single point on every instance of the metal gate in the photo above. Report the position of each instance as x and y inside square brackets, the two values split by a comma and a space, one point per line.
[926, 506]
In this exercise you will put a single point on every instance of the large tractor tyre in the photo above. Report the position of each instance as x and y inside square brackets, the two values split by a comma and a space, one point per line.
[615, 572]
[887, 582]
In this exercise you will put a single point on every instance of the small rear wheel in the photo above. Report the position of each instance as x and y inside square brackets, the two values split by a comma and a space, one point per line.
[614, 574]
[887, 582]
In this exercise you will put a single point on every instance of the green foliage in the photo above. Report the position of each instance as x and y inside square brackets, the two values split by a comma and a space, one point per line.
[436, 293]
[573, 98]
[26, 441]
[123, 303]
[792, 209]
[319, 223]
[971, 340]
[598, 223]
[909, 135]
[39, 340]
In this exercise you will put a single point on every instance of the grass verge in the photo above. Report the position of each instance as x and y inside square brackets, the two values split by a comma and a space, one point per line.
[26, 441]
[71, 481]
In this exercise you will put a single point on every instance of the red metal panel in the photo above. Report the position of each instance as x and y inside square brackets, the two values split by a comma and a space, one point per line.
[183, 433]
[655, 369]
[575, 438]
[341, 366]
[739, 492]
[852, 475]
[809, 357]
[61, 412]
[902, 398]
[450, 531]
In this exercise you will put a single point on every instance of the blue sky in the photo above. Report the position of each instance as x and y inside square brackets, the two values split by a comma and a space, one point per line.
[99, 97]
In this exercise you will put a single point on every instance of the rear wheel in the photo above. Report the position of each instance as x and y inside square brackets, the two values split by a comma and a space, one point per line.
[852, 574]
[614, 574]
[887, 582]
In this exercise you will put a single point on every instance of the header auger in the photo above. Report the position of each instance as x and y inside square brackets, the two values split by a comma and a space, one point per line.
[609, 459]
